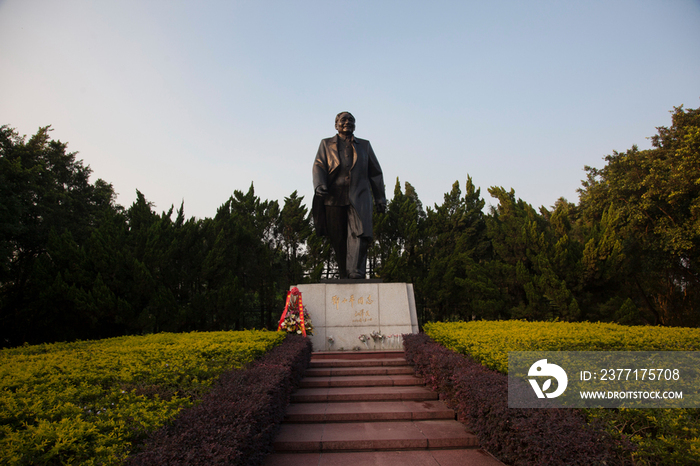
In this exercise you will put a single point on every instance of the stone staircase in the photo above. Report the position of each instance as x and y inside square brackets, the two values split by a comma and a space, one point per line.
[368, 408]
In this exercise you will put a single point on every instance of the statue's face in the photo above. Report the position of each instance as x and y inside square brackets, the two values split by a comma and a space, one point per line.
[345, 123]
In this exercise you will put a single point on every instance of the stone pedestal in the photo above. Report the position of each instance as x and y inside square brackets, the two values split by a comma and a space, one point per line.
[347, 310]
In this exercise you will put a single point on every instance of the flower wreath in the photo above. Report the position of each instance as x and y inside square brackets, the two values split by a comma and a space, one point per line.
[295, 318]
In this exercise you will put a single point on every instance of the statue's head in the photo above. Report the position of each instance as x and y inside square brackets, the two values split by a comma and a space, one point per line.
[345, 123]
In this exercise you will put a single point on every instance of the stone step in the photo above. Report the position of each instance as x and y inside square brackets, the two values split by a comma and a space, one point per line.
[368, 370]
[469, 457]
[361, 381]
[357, 408]
[348, 355]
[393, 393]
[356, 362]
[372, 436]
[367, 411]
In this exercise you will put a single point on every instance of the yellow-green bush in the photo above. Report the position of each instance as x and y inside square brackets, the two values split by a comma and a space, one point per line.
[490, 341]
[662, 436]
[88, 402]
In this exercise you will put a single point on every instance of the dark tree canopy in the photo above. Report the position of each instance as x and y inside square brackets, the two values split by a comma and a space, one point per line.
[75, 265]
[653, 196]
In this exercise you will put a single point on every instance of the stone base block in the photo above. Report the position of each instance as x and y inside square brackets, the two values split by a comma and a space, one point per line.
[344, 311]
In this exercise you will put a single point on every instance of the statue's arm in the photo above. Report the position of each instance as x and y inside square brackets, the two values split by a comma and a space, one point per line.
[376, 180]
[320, 170]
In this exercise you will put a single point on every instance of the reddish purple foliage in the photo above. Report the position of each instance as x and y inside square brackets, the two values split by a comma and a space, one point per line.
[236, 422]
[518, 437]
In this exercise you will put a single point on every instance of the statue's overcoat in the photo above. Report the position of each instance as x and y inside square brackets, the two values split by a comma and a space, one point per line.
[366, 181]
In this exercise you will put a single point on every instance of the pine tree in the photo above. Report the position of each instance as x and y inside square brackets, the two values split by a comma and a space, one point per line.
[456, 285]
[295, 228]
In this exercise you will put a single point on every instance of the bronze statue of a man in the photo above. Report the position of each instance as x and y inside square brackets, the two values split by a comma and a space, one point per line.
[346, 177]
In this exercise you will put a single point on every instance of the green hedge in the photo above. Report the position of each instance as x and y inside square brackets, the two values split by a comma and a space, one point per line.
[89, 402]
[663, 436]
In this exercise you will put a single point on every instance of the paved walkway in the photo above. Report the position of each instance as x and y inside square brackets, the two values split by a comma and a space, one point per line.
[368, 408]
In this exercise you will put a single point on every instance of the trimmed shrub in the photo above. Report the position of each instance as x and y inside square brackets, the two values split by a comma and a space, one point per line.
[489, 341]
[518, 437]
[88, 402]
[236, 422]
[661, 436]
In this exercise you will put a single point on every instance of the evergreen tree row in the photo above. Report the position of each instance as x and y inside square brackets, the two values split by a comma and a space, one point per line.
[628, 252]
[75, 265]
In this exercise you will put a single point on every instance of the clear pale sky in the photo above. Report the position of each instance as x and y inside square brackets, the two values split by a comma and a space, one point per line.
[190, 101]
